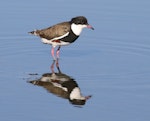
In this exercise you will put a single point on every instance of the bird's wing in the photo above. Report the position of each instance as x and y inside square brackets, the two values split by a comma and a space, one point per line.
[55, 31]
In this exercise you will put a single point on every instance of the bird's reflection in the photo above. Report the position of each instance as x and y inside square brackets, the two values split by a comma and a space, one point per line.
[61, 85]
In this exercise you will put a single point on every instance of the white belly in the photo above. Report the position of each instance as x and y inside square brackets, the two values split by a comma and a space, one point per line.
[54, 43]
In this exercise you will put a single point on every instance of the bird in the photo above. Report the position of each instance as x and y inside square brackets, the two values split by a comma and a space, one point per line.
[62, 34]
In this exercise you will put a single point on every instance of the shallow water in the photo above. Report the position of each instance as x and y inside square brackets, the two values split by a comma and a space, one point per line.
[110, 63]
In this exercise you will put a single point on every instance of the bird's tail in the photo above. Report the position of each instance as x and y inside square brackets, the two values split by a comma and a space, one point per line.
[33, 32]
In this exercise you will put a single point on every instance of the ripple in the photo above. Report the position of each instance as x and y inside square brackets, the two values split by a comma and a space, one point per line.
[14, 45]
[124, 47]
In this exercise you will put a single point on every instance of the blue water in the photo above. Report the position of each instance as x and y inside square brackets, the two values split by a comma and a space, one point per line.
[111, 63]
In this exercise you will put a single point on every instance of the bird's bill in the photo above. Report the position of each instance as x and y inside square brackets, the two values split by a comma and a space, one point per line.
[90, 27]
[88, 97]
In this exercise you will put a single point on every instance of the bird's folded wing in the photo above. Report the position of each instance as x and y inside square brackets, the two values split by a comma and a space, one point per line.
[55, 31]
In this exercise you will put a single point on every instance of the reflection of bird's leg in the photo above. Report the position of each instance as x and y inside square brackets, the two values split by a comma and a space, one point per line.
[57, 65]
[58, 51]
[52, 66]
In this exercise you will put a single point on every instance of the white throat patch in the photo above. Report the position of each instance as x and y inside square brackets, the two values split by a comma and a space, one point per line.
[76, 94]
[77, 29]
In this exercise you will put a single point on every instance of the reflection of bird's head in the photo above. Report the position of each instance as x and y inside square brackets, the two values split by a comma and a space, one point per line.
[77, 102]
[76, 97]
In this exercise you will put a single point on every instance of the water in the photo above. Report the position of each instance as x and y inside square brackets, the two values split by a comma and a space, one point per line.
[110, 63]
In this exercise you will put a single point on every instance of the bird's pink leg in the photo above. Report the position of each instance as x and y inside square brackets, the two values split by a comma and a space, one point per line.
[57, 52]
[53, 53]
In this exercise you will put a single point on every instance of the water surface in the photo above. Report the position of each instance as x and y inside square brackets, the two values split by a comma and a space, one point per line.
[110, 63]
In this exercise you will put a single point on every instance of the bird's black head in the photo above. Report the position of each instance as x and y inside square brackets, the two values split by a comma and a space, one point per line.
[79, 20]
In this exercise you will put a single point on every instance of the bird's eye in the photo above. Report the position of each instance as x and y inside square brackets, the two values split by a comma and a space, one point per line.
[78, 22]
